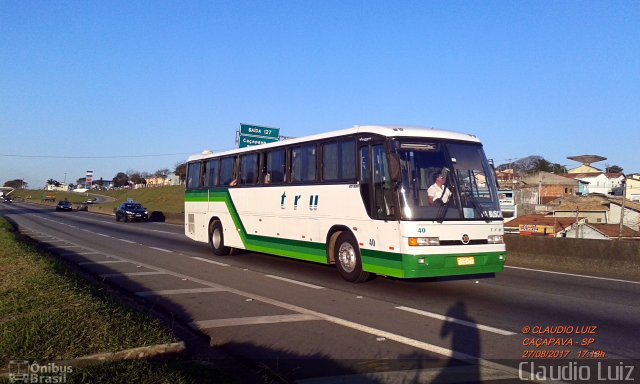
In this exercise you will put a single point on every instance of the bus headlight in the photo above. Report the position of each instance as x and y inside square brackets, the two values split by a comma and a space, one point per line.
[495, 239]
[421, 241]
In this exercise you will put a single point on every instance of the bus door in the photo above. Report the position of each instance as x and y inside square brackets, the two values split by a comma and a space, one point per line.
[376, 186]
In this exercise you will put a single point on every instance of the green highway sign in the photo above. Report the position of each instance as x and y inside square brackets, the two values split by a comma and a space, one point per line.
[256, 130]
[248, 140]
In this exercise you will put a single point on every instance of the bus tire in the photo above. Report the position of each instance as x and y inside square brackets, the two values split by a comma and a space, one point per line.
[216, 239]
[348, 260]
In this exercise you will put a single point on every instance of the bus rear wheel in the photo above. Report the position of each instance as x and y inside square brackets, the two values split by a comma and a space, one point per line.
[348, 260]
[216, 239]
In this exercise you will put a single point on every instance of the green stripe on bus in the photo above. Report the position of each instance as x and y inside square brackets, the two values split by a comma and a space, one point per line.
[383, 263]
[303, 250]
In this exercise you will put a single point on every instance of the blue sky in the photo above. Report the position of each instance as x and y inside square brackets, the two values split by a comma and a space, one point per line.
[105, 79]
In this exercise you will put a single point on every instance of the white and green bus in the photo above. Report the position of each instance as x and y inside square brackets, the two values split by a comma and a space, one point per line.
[357, 198]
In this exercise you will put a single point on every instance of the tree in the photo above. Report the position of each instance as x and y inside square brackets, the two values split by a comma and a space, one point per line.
[162, 173]
[541, 165]
[614, 169]
[181, 171]
[137, 178]
[120, 180]
[17, 184]
[82, 180]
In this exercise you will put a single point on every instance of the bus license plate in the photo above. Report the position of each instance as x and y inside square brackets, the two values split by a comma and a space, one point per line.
[467, 260]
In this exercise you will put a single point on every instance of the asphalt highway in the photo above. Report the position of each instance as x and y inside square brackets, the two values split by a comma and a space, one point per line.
[317, 328]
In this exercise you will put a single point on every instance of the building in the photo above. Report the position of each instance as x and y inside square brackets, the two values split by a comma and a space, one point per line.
[158, 181]
[62, 187]
[598, 182]
[543, 187]
[592, 211]
[602, 232]
[631, 213]
[632, 191]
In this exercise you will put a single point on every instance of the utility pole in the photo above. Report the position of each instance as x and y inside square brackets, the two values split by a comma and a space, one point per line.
[577, 221]
[624, 192]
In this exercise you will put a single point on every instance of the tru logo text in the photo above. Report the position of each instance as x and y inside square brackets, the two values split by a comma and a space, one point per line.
[297, 202]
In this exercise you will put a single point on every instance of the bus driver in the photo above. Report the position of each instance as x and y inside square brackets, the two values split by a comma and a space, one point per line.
[438, 191]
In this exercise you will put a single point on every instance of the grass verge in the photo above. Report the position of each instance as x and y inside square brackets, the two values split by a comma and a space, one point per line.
[168, 200]
[49, 313]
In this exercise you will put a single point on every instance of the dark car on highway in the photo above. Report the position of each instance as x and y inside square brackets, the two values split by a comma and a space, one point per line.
[64, 205]
[131, 212]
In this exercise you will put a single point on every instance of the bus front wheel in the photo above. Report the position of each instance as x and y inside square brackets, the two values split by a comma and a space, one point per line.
[216, 239]
[348, 260]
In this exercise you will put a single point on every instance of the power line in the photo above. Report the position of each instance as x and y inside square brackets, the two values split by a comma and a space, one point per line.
[93, 157]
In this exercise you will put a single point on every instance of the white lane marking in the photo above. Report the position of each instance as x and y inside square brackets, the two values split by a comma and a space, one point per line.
[57, 241]
[102, 234]
[102, 262]
[162, 249]
[127, 241]
[177, 291]
[575, 275]
[79, 253]
[457, 321]
[125, 274]
[204, 324]
[168, 233]
[210, 261]
[295, 282]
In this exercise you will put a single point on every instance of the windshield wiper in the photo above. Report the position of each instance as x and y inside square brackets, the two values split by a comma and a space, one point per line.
[475, 205]
[442, 210]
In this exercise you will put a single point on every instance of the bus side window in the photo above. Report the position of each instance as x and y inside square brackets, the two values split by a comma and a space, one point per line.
[275, 167]
[227, 172]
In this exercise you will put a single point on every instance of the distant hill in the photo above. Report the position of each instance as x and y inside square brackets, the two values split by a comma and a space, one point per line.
[521, 166]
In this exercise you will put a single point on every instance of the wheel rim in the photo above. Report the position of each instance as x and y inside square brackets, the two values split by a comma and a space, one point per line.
[347, 257]
[216, 238]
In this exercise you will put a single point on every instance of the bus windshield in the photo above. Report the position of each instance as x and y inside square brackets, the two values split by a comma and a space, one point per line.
[445, 181]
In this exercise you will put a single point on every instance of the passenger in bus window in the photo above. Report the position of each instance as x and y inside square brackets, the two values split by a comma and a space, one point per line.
[438, 193]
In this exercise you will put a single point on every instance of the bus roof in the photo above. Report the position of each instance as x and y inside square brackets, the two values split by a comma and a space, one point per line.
[383, 130]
